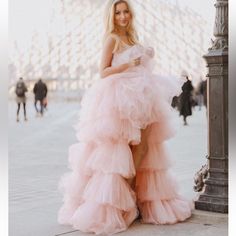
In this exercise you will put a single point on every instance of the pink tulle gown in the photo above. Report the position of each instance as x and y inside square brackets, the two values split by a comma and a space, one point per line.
[120, 165]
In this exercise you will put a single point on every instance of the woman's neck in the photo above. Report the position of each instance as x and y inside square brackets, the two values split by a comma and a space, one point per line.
[121, 31]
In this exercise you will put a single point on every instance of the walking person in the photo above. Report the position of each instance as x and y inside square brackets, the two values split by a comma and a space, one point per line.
[20, 91]
[40, 92]
[185, 100]
[120, 167]
[204, 92]
[200, 94]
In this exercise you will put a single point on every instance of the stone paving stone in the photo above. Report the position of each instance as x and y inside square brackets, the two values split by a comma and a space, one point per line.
[181, 229]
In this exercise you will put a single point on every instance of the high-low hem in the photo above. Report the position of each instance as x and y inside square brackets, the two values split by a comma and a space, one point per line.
[123, 117]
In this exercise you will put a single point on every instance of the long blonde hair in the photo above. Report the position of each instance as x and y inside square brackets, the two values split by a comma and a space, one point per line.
[110, 28]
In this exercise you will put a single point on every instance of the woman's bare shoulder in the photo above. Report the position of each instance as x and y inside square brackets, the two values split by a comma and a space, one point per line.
[110, 42]
[111, 39]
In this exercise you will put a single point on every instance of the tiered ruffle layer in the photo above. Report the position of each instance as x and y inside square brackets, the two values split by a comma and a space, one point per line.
[97, 196]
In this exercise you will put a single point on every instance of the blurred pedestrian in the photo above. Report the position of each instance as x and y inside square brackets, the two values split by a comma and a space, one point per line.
[20, 91]
[194, 98]
[200, 94]
[204, 92]
[185, 100]
[40, 92]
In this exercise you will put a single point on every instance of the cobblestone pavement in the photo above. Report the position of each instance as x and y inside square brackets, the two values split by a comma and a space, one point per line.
[38, 157]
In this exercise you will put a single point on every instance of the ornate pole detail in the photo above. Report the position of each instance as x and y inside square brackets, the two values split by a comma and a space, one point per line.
[221, 26]
[214, 196]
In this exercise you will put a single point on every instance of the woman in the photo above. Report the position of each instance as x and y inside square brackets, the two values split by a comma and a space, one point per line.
[120, 165]
[20, 91]
[185, 100]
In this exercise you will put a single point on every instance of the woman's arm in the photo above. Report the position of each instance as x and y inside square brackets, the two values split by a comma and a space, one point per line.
[105, 67]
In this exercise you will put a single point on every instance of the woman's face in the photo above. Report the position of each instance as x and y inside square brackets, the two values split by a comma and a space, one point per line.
[122, 14]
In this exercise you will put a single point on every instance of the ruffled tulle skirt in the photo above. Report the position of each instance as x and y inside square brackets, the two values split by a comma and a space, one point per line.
[124, 118]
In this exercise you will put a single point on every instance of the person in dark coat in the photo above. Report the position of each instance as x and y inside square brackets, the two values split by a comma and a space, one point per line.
[40, 91]
[204, 91]
[185, 100]
[20, 91]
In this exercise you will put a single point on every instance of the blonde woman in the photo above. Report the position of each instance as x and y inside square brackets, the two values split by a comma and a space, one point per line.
[120, 165]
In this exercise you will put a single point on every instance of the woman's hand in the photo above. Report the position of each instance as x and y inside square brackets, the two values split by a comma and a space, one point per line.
[135, 62]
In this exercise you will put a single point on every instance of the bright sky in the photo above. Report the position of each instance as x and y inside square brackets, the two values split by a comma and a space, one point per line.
[27, 15]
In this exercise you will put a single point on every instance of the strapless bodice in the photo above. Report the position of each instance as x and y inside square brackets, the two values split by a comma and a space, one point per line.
[129, 53]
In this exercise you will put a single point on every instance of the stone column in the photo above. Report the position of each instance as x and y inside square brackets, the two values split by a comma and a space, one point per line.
[214, 196]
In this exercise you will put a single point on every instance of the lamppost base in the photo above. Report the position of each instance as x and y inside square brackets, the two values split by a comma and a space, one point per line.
[212, 203]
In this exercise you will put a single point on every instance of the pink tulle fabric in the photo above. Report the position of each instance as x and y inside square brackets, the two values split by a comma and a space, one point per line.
[97, 196]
